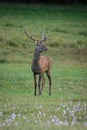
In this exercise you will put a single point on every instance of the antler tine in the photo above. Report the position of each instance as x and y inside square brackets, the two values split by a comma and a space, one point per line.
[44, 37]
[30, 36]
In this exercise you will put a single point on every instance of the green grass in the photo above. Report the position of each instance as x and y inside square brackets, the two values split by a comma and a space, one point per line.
[66, 108]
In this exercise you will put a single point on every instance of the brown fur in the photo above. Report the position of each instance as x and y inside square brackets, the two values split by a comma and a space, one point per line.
[45, 63]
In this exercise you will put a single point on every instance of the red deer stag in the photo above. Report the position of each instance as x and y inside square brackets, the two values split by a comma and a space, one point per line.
[40, 64]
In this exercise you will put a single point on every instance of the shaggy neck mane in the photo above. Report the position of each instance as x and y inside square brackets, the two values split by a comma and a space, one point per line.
[35, 65]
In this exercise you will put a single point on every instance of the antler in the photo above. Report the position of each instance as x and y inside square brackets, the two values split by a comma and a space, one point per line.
[30, 36]
[42, 41]
[44, 37]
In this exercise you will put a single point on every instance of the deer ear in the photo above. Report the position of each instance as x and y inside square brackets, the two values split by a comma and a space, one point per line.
[36, 42]
[42, 42]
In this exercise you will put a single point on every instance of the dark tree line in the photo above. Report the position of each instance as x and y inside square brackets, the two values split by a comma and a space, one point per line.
[63, 2]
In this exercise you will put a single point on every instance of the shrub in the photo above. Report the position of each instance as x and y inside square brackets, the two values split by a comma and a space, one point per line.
[9, 25]
[84, 33]
[1, 39]
[60, 30]
[3, 60]
[12, 43]
[57, 42]
[81, 44]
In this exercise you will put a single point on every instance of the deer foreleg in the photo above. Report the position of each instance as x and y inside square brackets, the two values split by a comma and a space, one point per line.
[39, 81]
[35, 84]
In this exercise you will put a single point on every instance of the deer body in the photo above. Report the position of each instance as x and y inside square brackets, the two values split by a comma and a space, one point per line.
[40, 65]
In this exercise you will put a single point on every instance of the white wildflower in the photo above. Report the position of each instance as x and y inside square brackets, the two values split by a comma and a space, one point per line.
[19, 115]
[64, 113]
[1, 113]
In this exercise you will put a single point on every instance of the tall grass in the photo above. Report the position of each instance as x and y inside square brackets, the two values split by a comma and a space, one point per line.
[66, 28]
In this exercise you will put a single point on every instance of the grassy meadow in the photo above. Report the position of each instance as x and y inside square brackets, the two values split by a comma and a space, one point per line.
[66, 28]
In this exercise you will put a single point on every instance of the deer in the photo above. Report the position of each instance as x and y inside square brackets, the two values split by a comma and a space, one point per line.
[40, 64]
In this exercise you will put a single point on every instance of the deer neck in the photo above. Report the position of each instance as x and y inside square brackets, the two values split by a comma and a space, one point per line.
[36, 58]
[35, 63]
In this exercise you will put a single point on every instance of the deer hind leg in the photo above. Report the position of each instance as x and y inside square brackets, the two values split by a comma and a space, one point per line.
[50, 82]
[35, 84]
